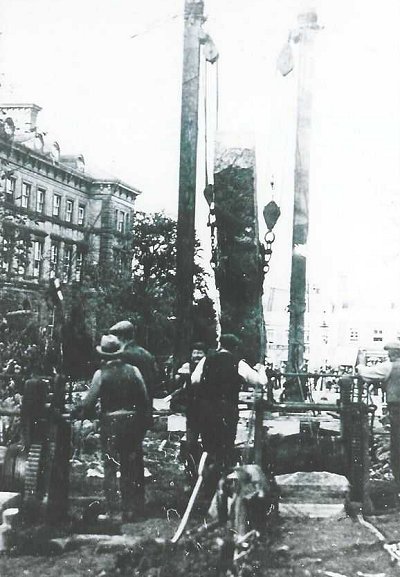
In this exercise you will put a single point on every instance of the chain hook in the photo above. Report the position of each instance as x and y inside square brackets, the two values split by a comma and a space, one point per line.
[271, 214]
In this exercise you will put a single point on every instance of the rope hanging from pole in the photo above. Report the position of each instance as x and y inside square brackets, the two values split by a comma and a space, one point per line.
[211, 114]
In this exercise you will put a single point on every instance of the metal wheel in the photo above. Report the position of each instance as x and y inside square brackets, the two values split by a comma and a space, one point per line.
[32, 473]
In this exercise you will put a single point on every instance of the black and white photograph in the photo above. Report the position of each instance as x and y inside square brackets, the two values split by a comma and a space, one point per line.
[199, 288]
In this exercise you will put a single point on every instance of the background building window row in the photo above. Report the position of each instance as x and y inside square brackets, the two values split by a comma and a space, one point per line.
[26, 258]
[38, 203]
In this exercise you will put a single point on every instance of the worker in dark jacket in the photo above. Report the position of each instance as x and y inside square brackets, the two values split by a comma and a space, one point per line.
[124, 416]
[136, 355]
[219, 377]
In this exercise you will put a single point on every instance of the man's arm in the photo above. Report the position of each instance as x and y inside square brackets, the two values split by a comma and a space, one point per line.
[143, 395]
[198, 371]
[378, 372]
[144, 400]
[251, 376]
[89, 400]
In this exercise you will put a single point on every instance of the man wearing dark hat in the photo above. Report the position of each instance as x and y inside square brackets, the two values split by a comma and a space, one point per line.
[124, 415]
[388, 373]
[136, 355]
[219, 377]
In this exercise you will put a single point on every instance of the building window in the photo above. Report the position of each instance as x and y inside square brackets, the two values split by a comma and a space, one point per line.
[81, 215]
[54, 256]
[67, 263]
[122, 262]
[37, 258]
[40, 194]
[377, 336]
[78, 264]
[69, 210]
[5, 253]
[353, 335]
[21, 257]
[26, 194]
[56, 205]
[10, 188]
[127, 223]
[117, 262]
[120, 220]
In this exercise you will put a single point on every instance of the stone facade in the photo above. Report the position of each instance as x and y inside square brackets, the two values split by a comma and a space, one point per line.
[66, 214]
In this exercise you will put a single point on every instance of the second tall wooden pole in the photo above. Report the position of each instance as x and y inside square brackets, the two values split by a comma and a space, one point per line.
[298, 282]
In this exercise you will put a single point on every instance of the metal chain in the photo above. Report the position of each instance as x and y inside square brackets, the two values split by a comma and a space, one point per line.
[269, 239]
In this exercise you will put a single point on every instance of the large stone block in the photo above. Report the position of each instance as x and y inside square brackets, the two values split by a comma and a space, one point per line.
[239, 272]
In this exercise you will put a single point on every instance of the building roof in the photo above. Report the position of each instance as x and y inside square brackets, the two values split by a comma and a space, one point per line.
[21, 105]
[104, 177]
[41, 143]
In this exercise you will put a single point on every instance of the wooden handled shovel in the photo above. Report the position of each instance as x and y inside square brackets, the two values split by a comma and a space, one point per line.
[192, 499]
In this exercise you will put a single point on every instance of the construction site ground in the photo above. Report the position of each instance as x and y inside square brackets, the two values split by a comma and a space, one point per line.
[312, 535]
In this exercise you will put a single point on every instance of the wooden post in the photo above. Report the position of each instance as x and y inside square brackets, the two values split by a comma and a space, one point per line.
[185, 242]
[305, 37]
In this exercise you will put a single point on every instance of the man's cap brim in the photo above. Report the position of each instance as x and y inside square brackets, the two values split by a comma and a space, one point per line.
[121, 327]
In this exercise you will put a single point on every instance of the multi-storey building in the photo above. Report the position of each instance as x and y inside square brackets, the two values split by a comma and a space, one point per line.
[55, 214]
[337, 325]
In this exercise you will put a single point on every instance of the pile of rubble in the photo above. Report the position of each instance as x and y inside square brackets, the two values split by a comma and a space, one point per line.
[380, 454]
[208, 555]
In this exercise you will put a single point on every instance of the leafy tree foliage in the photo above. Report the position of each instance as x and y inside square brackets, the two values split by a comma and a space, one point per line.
[146, 294]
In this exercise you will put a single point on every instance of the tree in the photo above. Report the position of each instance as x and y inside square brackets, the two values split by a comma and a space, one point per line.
[145, 294]
[153, 279]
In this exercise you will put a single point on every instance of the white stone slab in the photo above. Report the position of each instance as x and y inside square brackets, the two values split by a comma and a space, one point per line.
[176, 422]
[315, 478]
[311, 510]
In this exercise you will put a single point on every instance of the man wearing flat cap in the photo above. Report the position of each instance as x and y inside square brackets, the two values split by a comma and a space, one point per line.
[136, 355]
[124, 415]
[388, 373]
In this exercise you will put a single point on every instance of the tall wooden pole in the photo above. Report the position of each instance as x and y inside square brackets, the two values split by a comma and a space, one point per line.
[185, 243]
[306, 34]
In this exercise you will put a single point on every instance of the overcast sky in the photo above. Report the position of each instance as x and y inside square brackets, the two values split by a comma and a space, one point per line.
[107, 74]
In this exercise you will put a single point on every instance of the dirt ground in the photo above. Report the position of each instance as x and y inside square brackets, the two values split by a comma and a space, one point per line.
[295, 546]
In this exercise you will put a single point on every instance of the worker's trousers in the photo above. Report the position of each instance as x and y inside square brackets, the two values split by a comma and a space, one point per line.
[121, 439]
[218, 421]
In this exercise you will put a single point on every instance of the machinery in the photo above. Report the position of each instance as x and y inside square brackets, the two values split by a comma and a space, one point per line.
[344, 451]
[38, 467]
